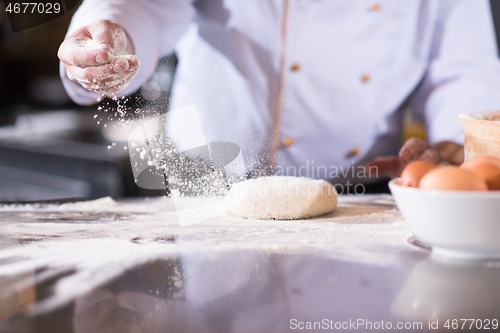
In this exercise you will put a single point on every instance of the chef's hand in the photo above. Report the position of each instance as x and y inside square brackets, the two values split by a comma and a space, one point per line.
[414, 149]
[100, 57]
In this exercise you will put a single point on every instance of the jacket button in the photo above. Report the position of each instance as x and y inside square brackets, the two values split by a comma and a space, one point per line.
[376, 7]
[352, 153]
[295, 67]
[365, 78]
[287, 142]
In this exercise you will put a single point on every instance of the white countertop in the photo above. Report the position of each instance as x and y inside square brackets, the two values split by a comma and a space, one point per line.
[360, 250]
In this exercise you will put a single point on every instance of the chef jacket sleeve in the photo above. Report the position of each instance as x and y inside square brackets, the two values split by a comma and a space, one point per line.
[464, 70]
[154, 26]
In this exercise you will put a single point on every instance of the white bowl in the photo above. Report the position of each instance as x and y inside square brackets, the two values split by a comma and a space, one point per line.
[459, 224]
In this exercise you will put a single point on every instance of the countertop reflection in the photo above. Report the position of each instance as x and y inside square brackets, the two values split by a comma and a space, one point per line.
[256, 291]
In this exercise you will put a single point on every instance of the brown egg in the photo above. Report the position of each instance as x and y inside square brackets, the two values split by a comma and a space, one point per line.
[478, 160]
[452, 178]
[490, 173]
[414, 171]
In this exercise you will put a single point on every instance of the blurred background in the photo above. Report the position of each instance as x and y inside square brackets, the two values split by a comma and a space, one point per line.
[53, 149]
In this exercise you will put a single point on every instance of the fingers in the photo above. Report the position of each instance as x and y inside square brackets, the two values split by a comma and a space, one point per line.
[93, 45]
[110, 34]
[116, 89]
[451, 151]
[107, 77]
[430, 155]
[89, 74]
[94, 57]
[109, 87]
[103, 32]
[390, 166]
[412, 149]
[94, 74]
[73, 52]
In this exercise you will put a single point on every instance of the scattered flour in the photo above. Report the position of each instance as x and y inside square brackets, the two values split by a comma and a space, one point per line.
[103, 238]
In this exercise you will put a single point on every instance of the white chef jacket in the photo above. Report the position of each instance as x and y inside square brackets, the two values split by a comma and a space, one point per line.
[350, 66]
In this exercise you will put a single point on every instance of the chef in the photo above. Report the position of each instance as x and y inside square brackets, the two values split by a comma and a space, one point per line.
[305, 87]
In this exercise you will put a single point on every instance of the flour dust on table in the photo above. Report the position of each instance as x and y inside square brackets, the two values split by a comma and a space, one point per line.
[93, 242]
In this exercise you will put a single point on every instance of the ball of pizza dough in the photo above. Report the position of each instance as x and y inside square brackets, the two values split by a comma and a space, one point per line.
[281, 198]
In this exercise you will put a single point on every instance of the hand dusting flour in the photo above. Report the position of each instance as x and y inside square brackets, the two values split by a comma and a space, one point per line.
[103, 238]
